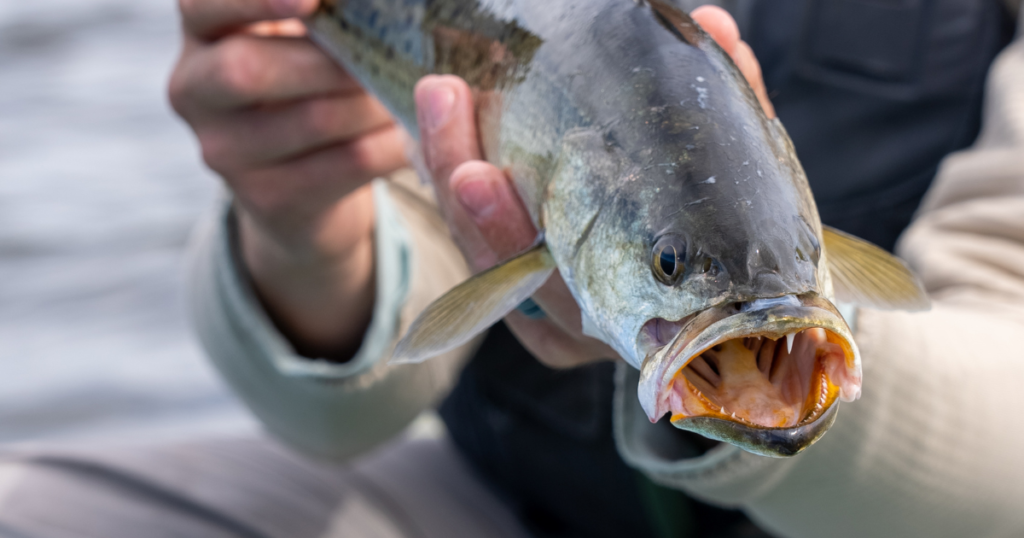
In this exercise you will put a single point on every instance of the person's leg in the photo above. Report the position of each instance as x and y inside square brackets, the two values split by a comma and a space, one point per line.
[246, 488]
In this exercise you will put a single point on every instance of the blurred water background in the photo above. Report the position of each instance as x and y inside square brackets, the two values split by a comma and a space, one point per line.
[99, 187]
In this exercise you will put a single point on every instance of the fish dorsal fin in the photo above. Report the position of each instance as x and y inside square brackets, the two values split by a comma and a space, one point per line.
[473, 306]
[866, 275]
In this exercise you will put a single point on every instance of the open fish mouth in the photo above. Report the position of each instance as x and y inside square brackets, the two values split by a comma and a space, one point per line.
[765, 375]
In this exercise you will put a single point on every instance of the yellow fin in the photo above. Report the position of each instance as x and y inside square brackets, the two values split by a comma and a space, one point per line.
[866, 275]
[473, 306]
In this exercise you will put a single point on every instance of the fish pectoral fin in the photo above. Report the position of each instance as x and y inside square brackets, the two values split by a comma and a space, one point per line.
[866, 275]
[473, 306]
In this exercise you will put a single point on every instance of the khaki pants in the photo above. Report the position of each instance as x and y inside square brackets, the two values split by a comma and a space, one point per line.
[248, 487]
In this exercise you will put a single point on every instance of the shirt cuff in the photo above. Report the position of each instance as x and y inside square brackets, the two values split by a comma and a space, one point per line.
[392, 260]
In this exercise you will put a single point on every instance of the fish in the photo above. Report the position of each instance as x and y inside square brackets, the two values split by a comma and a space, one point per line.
[675, 210]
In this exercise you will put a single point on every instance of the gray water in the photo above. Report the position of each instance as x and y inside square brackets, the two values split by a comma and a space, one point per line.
[100, 185]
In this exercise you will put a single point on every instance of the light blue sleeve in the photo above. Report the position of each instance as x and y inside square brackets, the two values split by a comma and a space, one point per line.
[324, 408]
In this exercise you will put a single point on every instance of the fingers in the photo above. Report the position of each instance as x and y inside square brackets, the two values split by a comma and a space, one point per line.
[263, 136]
[209, 19]
[290, 197]
[488, 198]
[488, 220]
[444, 111]
[722, 28]
[244, 70]
[719, 25]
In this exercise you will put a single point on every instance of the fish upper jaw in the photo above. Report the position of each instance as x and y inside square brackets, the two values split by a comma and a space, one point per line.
[736, 372]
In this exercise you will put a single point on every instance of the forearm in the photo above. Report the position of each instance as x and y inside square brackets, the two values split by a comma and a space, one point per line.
[325, 408]
[319, 291]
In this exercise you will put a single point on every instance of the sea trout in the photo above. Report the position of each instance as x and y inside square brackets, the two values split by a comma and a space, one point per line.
[676, 212]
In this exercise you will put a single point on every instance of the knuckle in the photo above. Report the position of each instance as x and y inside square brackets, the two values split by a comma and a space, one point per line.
[235, 69]
[188, 8]
[361, 156]
[218, 151]
[192, 14]
[178, 91]
[321, 119]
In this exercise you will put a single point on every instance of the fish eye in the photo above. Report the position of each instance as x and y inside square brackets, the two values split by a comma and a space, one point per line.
[667, 261]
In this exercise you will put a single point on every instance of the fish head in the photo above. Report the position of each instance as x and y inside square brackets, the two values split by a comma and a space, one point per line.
[764, 357]
[708, 276]
[690, 239]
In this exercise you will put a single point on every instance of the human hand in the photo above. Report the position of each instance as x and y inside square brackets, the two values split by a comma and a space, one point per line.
[296, 140]
[488, 219]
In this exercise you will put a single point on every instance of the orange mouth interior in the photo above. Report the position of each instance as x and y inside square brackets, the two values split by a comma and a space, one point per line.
[760, 381]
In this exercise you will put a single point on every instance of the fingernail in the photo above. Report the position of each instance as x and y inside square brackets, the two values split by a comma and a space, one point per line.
[438, 107]
[478, 196]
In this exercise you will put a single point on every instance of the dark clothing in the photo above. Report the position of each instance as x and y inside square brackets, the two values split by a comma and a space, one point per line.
[874, 94]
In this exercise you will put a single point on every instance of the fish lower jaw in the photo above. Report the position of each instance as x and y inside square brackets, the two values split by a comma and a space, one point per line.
[758, 382]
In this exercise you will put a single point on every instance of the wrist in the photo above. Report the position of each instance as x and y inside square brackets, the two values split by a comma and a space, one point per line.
[317, 288]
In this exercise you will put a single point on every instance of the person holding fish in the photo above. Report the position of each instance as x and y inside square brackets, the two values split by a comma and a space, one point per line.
[636, 215]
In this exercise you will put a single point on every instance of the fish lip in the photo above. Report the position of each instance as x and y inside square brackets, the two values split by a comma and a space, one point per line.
[721, 323]
[770, 442]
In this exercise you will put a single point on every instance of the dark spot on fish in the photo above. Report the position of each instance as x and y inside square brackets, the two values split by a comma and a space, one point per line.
[375, 70]
[344, 24]
[586, 231]
[675, 21]
[382, 35]
[390, 53]
[609, 141]
[408, 46]
[625, 209]
[372, 21]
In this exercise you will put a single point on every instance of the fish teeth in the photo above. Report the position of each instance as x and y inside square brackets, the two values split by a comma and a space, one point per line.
[789, 342]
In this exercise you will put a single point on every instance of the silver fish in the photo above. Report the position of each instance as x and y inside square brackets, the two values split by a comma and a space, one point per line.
[675, 210]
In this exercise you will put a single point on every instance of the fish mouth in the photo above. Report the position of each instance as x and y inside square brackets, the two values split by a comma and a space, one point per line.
[765, 375]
